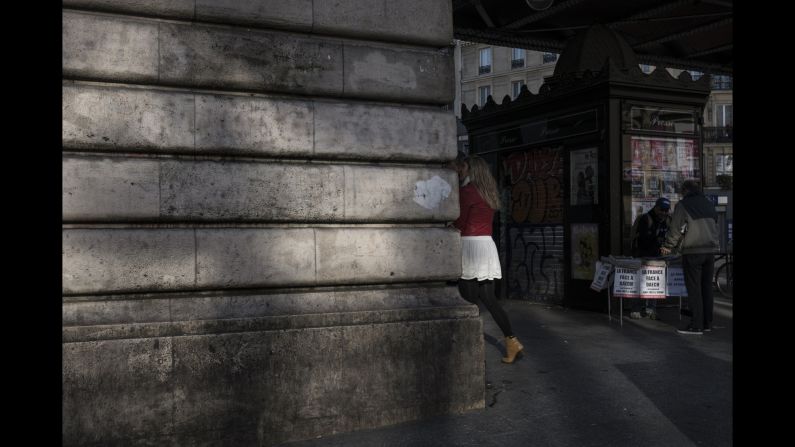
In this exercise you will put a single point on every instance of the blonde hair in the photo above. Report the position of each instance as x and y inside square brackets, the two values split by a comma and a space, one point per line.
[480, 176]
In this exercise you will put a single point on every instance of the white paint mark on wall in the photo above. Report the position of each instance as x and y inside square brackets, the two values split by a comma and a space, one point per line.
[430, 193]
[376, 68]
[169, 279]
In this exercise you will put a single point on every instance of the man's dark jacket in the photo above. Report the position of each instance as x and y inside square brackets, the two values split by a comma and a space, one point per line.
[649, 230]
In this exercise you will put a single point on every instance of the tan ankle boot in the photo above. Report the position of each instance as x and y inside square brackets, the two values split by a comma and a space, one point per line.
[513, 347]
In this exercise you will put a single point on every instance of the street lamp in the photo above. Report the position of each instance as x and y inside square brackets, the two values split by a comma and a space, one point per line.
[539, 5]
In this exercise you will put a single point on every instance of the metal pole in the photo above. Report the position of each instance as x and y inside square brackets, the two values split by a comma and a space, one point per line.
[609, 313]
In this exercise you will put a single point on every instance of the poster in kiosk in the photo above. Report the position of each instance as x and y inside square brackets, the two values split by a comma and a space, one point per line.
[647, 282]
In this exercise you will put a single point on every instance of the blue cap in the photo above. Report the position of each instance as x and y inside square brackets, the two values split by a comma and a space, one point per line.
[663, 203]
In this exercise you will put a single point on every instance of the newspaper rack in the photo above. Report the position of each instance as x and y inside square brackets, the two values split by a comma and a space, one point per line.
[639, 278]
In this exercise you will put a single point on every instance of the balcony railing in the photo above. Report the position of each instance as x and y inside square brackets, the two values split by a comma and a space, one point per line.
[550, 57]
[719, 83]
[718, 134]
[517, 63]
[484, 69]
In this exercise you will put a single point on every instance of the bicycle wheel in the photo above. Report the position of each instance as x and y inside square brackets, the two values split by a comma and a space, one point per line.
[724, 279]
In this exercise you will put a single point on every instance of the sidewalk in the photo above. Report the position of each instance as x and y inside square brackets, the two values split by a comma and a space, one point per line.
[584, 381]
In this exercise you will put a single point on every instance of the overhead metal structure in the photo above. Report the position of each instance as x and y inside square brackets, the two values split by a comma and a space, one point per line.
[685, 34]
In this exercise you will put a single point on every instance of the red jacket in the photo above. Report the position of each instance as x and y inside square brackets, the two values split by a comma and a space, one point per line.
[476, 215]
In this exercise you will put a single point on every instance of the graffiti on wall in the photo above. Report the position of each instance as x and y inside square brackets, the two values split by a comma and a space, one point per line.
[535, 262]
[534, 231]
[536, 182]
[584, 250]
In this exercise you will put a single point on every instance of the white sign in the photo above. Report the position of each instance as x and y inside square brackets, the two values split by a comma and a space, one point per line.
[652, 282]
[429, 194]
[676, 281]
[600, 276]
[625, 283]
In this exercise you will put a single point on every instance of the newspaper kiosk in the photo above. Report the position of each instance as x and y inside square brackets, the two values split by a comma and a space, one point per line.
[598, 144]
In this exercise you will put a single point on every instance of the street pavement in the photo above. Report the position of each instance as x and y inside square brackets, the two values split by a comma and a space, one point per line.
[587, 381]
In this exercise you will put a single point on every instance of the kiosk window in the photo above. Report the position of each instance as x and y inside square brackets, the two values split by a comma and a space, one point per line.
[656, 167]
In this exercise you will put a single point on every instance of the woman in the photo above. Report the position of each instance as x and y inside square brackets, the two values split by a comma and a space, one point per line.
[480, 263]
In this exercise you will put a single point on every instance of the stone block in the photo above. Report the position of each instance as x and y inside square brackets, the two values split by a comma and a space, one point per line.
[165, 8]
[130, 119]
[78, 311]
[380, 255]
[249, 60]
[291, 385]
[252, 191]
[415, 21]
[289, 303]
[251, 257]
[126, 260]
[254, 125]
[119, 388]
[263, 388]
[377, 132]
[295, 14]
[381, 194]
[127, 119]
[102, 188]
[98, 188]
[399, 74]
[109, 48]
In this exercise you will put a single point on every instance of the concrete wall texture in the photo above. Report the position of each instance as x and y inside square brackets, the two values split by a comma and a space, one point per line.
[254, 206]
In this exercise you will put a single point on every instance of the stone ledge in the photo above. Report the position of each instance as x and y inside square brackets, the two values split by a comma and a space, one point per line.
[171, 259]
[267, 387]
[124, 49]
[412, 21]
[186, 306]
[75, 334]
[99, 189]
[129, 118]
[160, 8]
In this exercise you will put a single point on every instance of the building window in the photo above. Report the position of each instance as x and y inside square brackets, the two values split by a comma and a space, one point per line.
[719, 167]
[517, 58]
[721, 82]
[484, 94]
[516, 88]
[723, 164]
[549, 57]
[723, 115]
[723, 171]
[485, 61]
[718, 134]
[696, 75]
[647, 68]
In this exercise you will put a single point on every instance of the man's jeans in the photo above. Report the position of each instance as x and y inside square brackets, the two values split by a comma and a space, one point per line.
[699, 270]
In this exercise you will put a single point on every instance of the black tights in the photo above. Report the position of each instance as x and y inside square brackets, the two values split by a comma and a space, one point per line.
[472, 289]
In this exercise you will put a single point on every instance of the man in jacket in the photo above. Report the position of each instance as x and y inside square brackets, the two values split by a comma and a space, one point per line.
[694, 225]
[652, 229]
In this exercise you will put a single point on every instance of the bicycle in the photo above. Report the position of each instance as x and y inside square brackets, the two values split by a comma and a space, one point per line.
[724, 275]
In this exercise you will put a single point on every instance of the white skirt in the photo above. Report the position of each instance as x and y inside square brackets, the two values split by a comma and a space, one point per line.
[479, 258]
